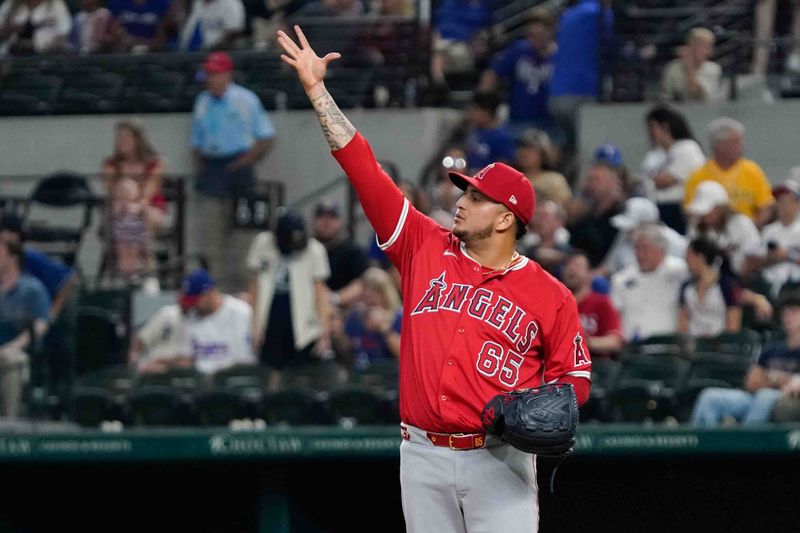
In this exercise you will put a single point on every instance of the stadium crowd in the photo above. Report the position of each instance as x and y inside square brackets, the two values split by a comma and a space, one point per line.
[684, 246]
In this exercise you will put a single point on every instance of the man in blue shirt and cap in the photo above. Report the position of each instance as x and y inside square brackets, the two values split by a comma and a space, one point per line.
[231, 132]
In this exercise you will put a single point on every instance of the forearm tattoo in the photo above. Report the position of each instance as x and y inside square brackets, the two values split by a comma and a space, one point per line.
[337, 129]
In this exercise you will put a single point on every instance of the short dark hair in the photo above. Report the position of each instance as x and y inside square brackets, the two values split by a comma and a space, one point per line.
[790, 298]
[577, 252]
[12, 222]
[489, 101]
[708, 249]
[15, 250]
[522, 229]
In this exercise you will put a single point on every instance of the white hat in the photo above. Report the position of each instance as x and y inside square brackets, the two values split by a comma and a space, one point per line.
[708, 195]
[637, 211]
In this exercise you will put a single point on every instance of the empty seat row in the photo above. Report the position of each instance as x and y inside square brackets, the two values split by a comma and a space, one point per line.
[644, 387]
[318, 394]
[156, 405]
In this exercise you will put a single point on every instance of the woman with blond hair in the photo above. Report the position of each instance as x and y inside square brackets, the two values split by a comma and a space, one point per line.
[536, 157]
[137, 208]
[373, 326]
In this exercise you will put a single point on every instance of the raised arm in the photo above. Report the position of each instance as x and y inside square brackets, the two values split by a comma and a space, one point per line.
[383, 202]
[311, 70]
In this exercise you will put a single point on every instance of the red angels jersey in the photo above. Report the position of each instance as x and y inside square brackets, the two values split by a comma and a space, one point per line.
[468, 332]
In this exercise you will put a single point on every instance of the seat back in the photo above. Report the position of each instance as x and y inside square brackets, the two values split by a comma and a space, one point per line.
[183, 380]
[58, 213]
[294, 406]
[101, 340]
[320, 376]
[732, 369]
[745, 344]
[384, 374]
[667, 370]
[91, 406]
[249, 379]
[218, 407]
[671, 344]
[360, 405]
[645, 388]
[155, 405]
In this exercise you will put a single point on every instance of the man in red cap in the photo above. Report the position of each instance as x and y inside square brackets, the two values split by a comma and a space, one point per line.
[231, 132]
[478, 319]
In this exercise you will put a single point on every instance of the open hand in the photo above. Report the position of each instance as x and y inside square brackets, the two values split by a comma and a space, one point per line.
[309, 66]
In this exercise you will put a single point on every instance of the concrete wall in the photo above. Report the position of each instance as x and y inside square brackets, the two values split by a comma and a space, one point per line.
[38, 145]
[772, 137]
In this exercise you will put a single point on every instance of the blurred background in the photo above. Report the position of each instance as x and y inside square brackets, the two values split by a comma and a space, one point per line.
[199, 331]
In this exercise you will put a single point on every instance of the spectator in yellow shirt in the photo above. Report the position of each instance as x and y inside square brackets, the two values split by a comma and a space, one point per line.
[747, 186]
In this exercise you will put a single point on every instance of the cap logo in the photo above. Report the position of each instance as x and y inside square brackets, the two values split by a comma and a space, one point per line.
[513, 199]
[482, 172]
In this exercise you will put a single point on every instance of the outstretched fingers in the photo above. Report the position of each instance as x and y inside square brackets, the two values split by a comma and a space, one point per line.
[333, 56]
[288, 44]
[301, 37]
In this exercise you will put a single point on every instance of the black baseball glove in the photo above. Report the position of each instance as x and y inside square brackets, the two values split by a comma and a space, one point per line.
[541, 420]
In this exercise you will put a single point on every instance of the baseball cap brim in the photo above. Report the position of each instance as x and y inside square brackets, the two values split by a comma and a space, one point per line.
[215, 68]
[623, 222]
[786, 189]
[188, 301]
[700, 207]
[462, 181]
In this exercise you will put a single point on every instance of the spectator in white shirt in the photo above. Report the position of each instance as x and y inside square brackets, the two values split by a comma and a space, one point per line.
[692, 76]
[94, 28]
[781, 239]
[218, 329]
[675, 156]
[158, 345]
[213, 24]
[736, 234]
[638, 211]
[40, 26]
[710, 302]
[646, 293]
[207, 329]
[291, 323]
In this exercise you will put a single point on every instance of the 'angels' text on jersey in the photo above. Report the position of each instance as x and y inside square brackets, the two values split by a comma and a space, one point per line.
[482, 304]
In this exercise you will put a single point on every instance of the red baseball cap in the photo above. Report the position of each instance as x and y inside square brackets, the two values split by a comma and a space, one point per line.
[787, 187]
[217, 62]
[502, 184]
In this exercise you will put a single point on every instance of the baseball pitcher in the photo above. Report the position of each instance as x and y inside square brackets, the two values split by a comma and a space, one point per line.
[480, 324]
